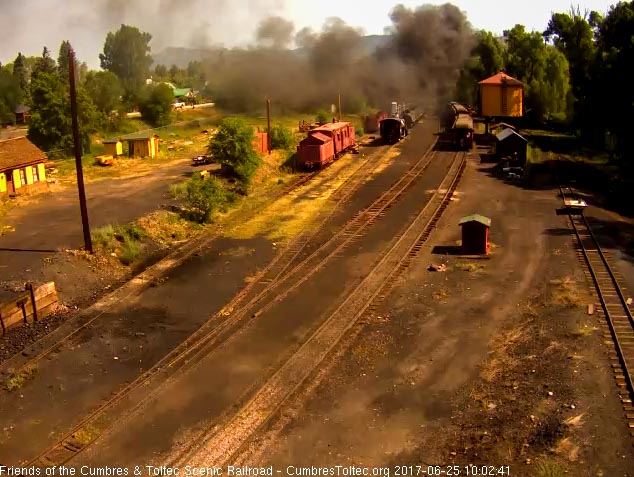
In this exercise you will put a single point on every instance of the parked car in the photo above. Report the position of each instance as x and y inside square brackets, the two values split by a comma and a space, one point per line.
[178, 105]
[202, 159]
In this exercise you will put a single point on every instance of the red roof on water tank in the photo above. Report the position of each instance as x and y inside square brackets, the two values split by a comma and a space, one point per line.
[502, 78]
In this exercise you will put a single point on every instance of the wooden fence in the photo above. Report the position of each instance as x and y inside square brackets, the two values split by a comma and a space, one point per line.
[34, 304]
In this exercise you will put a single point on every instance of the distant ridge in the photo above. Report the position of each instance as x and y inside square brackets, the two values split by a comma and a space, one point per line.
[182, 56]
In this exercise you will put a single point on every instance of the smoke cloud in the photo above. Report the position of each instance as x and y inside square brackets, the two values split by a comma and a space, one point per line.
[275, 32]
[417, 61]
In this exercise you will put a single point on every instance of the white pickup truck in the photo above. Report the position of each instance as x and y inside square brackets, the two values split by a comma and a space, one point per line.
[178, 105]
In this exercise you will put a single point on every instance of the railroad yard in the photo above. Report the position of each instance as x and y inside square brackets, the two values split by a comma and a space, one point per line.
[341, 345]
[320, 252]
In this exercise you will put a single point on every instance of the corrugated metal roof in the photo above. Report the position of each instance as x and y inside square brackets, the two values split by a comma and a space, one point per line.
[475, 218]
[502, 78]
[18, 152]
[508, 133]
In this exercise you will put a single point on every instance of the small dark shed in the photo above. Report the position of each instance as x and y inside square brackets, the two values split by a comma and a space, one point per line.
[475, 234]
[509, 142]
[22, 114]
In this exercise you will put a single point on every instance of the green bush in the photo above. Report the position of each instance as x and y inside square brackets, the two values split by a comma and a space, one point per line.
[323, 116]
[281, 138]
[204, 197]
[232, 147]
[102, 236]
[130, 251]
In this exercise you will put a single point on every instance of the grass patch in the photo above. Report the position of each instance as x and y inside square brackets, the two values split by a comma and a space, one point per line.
[17, 380]
[166, 228]
[84, 436]
[471, 267]
[122, 240]
[565, 292]
[583, 331]
[501, 347]
[549, 468]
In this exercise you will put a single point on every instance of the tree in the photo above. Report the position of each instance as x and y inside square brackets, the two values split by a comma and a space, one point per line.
[10, 95]
[20, 72]
[574, 35]
[63, 62]
[613, 91]
[44, 65]
[160, 71]
[232, 147]
[50, 127]
[487, 59]
[156, 106]
[105, 90]
[126, 53]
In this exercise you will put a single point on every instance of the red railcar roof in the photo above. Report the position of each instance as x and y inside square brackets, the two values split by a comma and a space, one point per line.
[318, 136]
[332, 126]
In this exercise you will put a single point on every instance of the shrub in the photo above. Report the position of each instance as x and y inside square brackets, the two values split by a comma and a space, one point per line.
[323, 116]
[130, 251]
[204, 197]
[102, 236]
[232, 147]
[281, 138]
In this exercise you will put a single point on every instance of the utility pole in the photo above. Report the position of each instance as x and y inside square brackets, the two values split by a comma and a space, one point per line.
[77, 144]
[268, 125]
[339, 106]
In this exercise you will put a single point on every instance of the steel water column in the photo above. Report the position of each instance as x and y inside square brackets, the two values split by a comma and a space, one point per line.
[78, 151]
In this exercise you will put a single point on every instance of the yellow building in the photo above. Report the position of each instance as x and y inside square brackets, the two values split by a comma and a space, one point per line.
[21, 166]
[142, 144]
[113, 146]
[501, 96]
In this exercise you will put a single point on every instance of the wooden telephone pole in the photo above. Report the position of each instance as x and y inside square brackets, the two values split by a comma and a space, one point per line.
[268, 125]
[77, 144]
[339, 106]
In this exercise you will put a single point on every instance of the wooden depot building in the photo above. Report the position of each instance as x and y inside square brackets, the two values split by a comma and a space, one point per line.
[21, 166]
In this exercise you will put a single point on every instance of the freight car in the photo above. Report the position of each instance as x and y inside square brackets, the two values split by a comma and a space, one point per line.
[392, 130]
[457, 125]
[325, 144]
[371, 124]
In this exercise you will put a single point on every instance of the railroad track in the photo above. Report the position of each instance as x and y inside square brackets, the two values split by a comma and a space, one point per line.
[234, 315]
[342, 194]
[614, 308]
[220, 446]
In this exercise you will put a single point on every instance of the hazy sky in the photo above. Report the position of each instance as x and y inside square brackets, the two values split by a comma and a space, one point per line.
[28, 25]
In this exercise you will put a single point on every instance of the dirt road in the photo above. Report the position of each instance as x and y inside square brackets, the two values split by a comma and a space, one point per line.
[54, 222]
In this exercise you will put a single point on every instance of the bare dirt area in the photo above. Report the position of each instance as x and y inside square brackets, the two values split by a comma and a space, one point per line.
[132, 336]
[491, 362]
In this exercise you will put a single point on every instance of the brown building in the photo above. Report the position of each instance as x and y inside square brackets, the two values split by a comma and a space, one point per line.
[475, 234]
[21, 166]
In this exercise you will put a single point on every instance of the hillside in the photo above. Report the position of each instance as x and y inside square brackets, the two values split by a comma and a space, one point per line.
[181, 56]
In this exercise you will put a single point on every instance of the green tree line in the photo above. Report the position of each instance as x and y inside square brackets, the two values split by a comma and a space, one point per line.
[575, 72]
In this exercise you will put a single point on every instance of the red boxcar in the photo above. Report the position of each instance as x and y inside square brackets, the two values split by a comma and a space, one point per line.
[372, 122]
[325, 144]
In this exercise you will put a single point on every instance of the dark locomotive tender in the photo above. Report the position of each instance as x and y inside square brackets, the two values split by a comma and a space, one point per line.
[457, 125]
[392, 130]
[326, 143]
